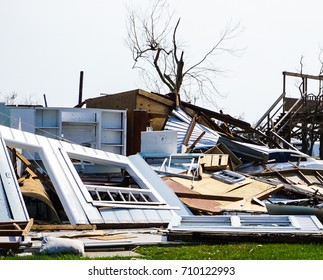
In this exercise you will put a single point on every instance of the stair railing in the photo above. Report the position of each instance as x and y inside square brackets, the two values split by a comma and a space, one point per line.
[267, 114]
[288, 113]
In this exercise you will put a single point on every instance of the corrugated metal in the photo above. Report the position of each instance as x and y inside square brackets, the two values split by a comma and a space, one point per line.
[180, 121]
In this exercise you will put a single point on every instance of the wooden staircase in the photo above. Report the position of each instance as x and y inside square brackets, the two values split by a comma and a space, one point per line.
[289, 118]
[277, 123]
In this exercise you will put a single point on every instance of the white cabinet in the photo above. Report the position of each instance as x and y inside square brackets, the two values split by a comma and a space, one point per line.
[81, 127]
[95, 128]
[113, 132]
[47, 122]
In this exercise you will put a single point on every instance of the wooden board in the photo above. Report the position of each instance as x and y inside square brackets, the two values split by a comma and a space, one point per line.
[216, 196]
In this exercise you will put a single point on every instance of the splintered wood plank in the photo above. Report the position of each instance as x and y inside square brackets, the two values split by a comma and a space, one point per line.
[28, 227]
[51, 227]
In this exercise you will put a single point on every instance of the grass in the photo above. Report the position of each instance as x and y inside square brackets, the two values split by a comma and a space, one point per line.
[312, 251]
[236, 252]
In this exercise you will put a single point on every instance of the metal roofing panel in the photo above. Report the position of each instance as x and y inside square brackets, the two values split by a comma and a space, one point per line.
[180, 121]
[153, 216]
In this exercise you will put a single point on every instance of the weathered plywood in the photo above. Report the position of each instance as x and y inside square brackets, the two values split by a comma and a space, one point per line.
[194, 200]
[243, 192]
[210, 186]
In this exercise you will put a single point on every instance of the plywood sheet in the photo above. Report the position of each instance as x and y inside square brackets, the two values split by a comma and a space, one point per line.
[243, 191]
[198, 204]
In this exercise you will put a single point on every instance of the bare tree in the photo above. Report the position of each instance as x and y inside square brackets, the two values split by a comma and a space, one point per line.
[311, 124]
[11, 98]
[152, 38]
[14, 99]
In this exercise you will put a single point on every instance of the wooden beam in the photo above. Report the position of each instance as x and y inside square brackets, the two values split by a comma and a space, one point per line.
[209, 197]
[190, 130]
[28, 227]
[190, 148]
[221, 117]
[15, 228]
[33, 169]
[320, 77]
[51, 227]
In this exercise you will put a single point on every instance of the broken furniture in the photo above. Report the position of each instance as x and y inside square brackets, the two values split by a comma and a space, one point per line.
[14, 236]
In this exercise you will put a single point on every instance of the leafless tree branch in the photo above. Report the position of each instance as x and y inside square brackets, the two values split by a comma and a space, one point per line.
[228, 34]
[149, 43]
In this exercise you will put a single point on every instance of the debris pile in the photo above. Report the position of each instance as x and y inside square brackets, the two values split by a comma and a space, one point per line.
[134, 160]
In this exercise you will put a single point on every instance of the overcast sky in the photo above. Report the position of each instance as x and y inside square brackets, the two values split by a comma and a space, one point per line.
[45, 44]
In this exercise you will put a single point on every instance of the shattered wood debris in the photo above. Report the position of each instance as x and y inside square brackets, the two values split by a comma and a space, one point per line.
[304, 182]
[236, 197]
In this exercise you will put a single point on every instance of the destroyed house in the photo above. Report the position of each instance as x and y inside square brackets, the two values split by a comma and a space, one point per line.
[135, 160]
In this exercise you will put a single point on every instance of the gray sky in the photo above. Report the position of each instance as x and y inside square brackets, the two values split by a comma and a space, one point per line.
[45, 44]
